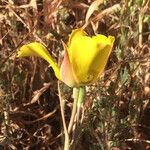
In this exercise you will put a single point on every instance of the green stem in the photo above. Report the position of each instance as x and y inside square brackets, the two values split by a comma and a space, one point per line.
[81, 96]
[74, 109]
[78, 114]
[62, 102]
[82, 92]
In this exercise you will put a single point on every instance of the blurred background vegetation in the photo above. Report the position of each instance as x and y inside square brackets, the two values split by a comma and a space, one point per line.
[117, 107]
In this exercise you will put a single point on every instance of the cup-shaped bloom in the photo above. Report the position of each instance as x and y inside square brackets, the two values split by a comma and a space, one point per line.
[84, 60]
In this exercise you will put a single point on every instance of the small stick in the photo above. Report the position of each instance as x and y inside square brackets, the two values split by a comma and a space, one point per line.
[140, 27]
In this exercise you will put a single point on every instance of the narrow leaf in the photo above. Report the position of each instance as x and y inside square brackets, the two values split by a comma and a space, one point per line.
[92, 8]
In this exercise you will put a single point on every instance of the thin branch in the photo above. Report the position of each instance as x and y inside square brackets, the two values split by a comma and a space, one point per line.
[140, 27]
[138, 140]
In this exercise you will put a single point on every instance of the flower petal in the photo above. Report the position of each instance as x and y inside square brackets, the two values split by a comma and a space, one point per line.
[37, 49]
[89, 56]
[104, 45]
[76, 34]
[66, 71]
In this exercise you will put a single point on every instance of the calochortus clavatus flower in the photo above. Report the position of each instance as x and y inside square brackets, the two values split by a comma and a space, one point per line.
[84, 60]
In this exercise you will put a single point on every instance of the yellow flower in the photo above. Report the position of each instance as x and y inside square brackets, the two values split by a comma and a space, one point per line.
[84, 60]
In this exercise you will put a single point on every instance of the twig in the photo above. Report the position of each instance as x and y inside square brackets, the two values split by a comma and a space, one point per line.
[14, 50]
[140, 27]
[6, 118]
[137, 140]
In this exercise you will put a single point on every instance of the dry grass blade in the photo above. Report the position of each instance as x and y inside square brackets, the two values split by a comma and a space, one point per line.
[38, 93]
[50, 114]
[92, 8]
[78, 5]
[107, 11]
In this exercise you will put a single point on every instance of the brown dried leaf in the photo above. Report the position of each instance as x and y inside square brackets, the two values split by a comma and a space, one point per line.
[38, 93]
[33, 3]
